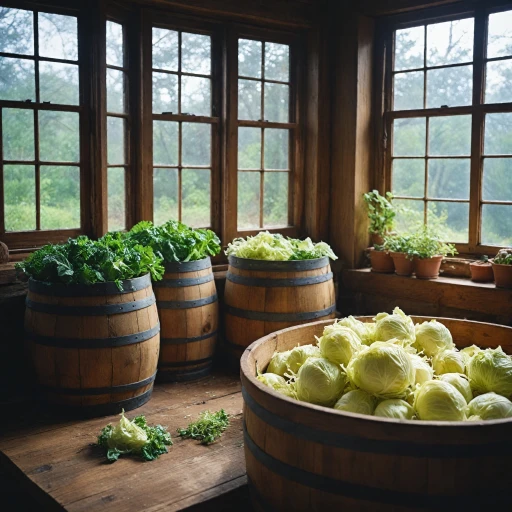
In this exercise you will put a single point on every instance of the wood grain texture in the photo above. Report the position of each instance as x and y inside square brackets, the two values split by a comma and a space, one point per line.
[58, 462]
[304, 457]
[444, 296]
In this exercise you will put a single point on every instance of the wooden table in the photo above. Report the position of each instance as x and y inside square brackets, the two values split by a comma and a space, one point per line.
[55, 461]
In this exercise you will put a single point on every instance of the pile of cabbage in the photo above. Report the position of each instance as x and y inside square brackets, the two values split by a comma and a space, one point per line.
[394, 369]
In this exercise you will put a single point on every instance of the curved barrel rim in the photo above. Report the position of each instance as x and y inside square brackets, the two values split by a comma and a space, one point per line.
[278, 266]
[188, 266]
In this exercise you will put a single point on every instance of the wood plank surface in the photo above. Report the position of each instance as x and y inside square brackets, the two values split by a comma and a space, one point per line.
[64, 470]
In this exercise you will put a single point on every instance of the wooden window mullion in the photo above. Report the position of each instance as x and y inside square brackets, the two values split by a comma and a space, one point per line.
[2, 202]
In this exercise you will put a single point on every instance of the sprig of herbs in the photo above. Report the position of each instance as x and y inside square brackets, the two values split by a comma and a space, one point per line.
[208, 428]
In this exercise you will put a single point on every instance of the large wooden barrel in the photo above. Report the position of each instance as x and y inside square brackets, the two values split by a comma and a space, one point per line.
[305, 457]
[264, 296]
[94, 348]
[188, 309]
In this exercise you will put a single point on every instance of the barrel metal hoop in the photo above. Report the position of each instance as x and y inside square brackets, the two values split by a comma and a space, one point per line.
[118, 341]
[188, 266]
[191, 339]
[179, 364]
[89, 290]
[278, 317]
[183, 375]
[366, 493]
[278, 266]
[100, 310]
[184, 282]
[360, 444]
[99, 391]
[278, 283]
[90, 411]
[186, 304]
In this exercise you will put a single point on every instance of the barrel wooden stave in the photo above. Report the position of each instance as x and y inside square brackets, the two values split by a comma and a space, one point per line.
[65, 374]
[241, 332]
[397, 466]
[186, 360]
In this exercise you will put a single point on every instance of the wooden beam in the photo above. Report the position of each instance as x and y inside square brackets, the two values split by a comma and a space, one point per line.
[387, 7]
[352, 134]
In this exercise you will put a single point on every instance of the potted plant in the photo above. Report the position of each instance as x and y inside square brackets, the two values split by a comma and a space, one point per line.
[380, 213]
[427, 251]
[381, 260]
[481, 270]
[398, 247]
[502, 268]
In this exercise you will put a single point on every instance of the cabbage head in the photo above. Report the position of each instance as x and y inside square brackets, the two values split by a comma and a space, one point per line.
[291, 360]
[340, 345]
[490, 406]
[437, 400]
[365, 331]
[277, 383]
[127, 436]
[423, 371]
[449, 361]
[357, 401]
[491, 370]
[320, 382]
[394, 408]
[433, 337]
[398, 326]
[459, 382]
[469, 352]
[383, 369]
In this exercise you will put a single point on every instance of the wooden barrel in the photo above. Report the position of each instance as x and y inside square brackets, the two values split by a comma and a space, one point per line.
[306, 457]
[188, 309]
[264, 296]
[94, 348]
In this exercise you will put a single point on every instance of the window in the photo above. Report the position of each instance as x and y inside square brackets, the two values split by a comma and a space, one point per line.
[449, 159]
[40, 120]
[265, 132]
[183, 126]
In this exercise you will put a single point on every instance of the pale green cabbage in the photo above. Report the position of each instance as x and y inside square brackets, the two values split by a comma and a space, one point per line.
[490, 406]
[383, 369]
[127, 436]
[357, 401]
[423, 371]
[459, 382]
[320, 382]
[491, 370]
[365, 330]
[449, 361]
[277, 383]
[340, 345]
[291, 360]
[398, 326]
[275, 247]
[437, 400]
[395, 408]
[433, 337]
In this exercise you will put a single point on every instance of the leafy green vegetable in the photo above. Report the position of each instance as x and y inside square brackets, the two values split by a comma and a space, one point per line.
[380, 212]
[275, 247]
[208, 428]
[84, 261]
[134, 437]
[504, 257]
[174, 241]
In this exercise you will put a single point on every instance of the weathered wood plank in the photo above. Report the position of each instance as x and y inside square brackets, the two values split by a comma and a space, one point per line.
[59, 462]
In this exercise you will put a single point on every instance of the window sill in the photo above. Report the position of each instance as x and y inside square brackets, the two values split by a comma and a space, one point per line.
[460, 294]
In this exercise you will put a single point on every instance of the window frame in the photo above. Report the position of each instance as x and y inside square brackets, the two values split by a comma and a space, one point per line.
[477, 109]
[20, 241]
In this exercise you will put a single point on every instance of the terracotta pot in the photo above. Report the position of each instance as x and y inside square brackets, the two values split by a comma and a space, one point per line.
[481, 272]
[403, 266]
[427, 268]
[377, 239]
[502, 275]
[382, 262]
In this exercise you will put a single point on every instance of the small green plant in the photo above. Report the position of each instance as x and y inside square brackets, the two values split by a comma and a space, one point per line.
[504, 257]
[427, 244]
[484, 258]
[380, 212]
[397, 243]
